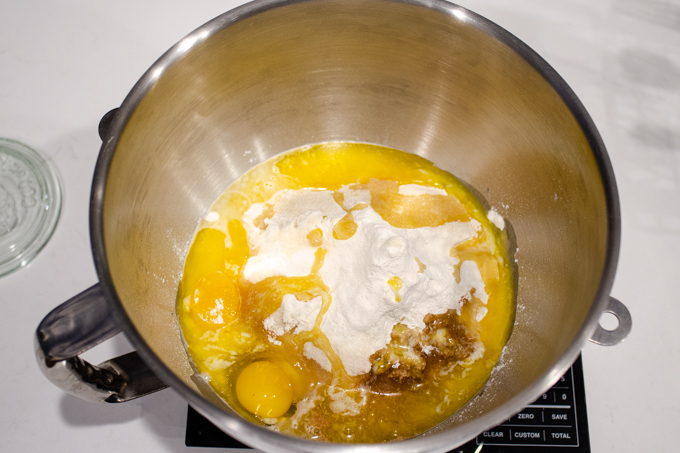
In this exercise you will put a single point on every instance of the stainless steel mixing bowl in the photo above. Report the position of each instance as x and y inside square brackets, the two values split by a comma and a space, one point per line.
[423, 76]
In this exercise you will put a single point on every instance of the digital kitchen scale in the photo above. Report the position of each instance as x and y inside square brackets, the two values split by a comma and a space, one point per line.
[555, 422]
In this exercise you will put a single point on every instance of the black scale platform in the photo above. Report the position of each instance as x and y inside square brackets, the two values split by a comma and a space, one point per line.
[556, 422]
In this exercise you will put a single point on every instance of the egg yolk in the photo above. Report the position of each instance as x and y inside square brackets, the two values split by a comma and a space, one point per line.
[216, 300]
[205, 255]
[264, 389]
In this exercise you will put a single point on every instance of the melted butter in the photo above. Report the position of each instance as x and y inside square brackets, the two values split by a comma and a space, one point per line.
[315, 237]
[395, 285]
[381, 411]
[345, 228]
[421, 266]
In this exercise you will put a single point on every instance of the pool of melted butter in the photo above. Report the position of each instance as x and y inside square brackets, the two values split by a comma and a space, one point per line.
[221, 314]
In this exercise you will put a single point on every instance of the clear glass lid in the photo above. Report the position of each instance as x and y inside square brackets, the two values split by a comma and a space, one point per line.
[30, 201]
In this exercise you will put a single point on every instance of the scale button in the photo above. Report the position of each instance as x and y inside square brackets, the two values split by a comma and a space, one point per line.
[498, 435]
[562, 397]
[527, 436]
[529, 416]
[561, 436]
[556, 397]
[563, 417]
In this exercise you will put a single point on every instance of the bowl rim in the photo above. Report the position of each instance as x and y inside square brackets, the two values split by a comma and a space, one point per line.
[266, 439]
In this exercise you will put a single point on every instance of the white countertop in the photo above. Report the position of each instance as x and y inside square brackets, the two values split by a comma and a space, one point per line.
[64, 63]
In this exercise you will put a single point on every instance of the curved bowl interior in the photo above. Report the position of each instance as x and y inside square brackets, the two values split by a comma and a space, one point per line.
[433, 80]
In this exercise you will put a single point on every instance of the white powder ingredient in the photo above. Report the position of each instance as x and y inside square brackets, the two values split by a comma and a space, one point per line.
[215, 363]
[496, 219]
[312, 352]
[417, 189]
[304, 406]
[283, 248]
[211, 336]
[363, 309]
[212, 216]
[345, 402]
[476, 354]
[354, 197]
[481, 312]
[469, 273]
[215, 314]
[445, 402]
[293, 314]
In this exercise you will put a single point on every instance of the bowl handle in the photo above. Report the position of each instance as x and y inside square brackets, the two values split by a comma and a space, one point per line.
[606, 337]
[104, 127]
[72, 328]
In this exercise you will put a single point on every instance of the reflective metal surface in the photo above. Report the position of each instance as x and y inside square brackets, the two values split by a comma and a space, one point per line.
[425, 77]
[615, 336]
[76, 326]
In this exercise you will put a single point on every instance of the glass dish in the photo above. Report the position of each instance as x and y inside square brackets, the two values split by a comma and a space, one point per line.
[30, 202]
